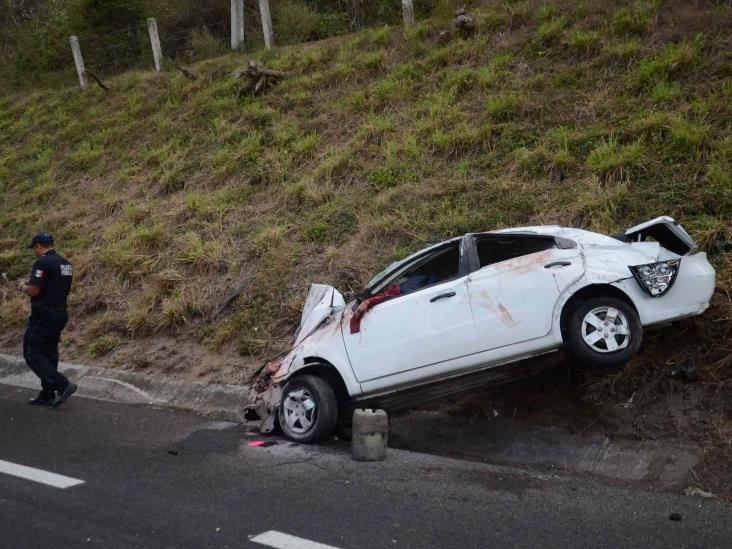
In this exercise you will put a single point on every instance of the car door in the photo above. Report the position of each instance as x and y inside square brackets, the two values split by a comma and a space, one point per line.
[430, 323]
[516, 286]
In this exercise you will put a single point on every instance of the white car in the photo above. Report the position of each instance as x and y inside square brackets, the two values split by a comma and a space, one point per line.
[472, 310]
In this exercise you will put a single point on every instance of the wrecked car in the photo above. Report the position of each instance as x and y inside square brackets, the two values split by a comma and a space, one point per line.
[477, 309]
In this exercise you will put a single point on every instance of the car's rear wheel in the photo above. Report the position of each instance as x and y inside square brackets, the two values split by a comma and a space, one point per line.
[308, 410]
[604, 332]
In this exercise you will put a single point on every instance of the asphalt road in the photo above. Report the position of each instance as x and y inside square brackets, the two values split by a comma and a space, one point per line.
[154, 478]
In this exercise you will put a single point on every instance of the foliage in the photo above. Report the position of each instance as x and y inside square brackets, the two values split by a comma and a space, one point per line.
[167, 193]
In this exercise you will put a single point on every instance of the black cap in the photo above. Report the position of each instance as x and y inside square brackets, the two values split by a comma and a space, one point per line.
[42, 238]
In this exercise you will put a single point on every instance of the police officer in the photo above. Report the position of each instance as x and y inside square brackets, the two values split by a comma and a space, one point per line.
[48, 287]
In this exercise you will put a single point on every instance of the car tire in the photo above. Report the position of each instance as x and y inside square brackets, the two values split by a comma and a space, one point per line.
[603, 332]
[308, 410]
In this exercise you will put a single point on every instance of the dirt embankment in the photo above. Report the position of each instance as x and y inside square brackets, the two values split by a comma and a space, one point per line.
[664, 394]
[169, 194]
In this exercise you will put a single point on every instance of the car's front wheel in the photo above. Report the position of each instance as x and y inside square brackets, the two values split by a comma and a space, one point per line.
[604, 332]
[308, 410]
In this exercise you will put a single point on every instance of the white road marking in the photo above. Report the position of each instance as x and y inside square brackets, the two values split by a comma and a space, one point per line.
[38, 475]
[124, 384]
[273, 538]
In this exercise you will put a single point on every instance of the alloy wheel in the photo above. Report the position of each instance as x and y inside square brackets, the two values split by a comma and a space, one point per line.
[299, 409]
[606, 330]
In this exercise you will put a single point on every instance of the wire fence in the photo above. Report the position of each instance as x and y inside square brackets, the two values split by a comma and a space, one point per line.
[203, 32]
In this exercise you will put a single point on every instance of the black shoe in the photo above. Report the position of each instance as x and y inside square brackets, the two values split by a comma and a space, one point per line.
[64, 395]
[43, 399]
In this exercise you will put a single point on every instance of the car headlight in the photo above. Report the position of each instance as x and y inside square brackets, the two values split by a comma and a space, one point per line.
[656, 278]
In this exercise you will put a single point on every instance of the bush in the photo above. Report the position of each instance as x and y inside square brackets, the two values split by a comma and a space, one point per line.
[294, 21]
[112, 32]
[203, 45]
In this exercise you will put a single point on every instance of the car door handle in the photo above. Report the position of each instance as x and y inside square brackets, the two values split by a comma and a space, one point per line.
[443, 296]
[557, 264]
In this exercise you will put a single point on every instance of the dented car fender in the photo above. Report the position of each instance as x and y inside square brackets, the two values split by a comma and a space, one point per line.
[605, 266]
[320, 341]
[323, 346]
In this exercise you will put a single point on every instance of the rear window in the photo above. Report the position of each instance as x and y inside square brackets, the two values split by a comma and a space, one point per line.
[494, 249]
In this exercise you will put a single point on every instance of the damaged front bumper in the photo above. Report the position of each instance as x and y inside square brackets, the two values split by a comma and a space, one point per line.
[321, 303]
[269, 395]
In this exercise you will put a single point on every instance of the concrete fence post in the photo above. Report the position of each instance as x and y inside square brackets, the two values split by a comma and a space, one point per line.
[152, 27]
[237, 24]
[266, 24]
[78, 61]
[408, 11]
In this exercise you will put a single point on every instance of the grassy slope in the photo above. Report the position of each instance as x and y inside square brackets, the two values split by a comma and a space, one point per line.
[167, 193]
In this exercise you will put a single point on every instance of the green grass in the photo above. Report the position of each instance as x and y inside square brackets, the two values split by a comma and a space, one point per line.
[583, 42]
[550, 32]
[203, 255]
[666, 92]
[616, 162]
[167, 193]
[103, 345]
[634, 19]
[505, 107]
[674, 61]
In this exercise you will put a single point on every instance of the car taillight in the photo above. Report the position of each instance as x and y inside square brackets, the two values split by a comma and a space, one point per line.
[656, 278]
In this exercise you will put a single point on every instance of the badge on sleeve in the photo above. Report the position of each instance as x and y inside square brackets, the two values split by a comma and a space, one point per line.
[39, 273]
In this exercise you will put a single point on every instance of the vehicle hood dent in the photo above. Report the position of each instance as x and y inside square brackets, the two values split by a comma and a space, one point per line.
[323, 306]
[321, 303]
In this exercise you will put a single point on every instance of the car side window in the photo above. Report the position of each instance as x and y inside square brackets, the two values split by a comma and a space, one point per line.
[440, 266]
[496, 248]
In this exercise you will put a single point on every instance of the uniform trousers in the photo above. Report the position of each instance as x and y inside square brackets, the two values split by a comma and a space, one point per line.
[40, 348]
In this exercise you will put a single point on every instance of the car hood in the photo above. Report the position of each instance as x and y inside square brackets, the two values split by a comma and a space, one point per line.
[322, 301]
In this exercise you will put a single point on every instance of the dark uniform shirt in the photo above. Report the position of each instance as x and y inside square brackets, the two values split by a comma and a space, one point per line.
[52, 273]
